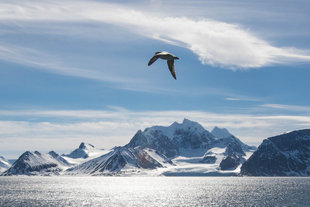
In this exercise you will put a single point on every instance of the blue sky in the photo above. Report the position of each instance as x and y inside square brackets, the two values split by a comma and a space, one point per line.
[75, 71]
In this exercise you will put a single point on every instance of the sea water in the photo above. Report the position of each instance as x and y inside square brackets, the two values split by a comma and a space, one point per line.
[154, 191]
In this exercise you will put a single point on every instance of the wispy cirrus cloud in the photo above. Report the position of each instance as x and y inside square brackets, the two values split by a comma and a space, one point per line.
[287, 107]
[215, 42]
[38, 59]
[243, 98]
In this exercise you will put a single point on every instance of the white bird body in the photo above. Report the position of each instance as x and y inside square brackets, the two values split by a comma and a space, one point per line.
[166, 56]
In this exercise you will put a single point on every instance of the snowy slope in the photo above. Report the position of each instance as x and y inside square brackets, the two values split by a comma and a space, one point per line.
[83, 153]
[4, 164]
[207, 164]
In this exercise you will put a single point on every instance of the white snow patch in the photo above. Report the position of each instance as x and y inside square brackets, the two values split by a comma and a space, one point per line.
[4, 164]
[92, 155]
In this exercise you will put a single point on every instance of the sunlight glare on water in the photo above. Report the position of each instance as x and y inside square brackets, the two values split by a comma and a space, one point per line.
[154, 191]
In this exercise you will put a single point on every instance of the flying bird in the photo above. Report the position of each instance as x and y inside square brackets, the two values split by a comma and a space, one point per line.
[166, 56]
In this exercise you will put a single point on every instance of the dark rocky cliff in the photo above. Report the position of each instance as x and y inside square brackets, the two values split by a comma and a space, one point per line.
[284, 155]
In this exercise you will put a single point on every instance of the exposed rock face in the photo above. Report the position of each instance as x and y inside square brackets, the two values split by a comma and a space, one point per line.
[234, 156]
[160, 142]
[230, 162]
[234, 148]
[223, 142]
[284, 155]
[191, 140]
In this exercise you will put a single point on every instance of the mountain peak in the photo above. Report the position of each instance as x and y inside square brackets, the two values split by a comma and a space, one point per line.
[185, 120]
[188, 125]
[220, 132]
[169, 131]
[84, 151]
[189, 122]
[86, 145]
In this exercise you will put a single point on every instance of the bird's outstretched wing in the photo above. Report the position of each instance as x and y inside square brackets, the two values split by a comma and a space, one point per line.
[171, 68]
[153, 59]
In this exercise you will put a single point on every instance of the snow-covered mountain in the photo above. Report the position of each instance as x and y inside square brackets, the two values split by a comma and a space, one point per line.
[84, 151]
[180, 149]
[4, 164]
[121, 160]
[284, 155]
[36, 163]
